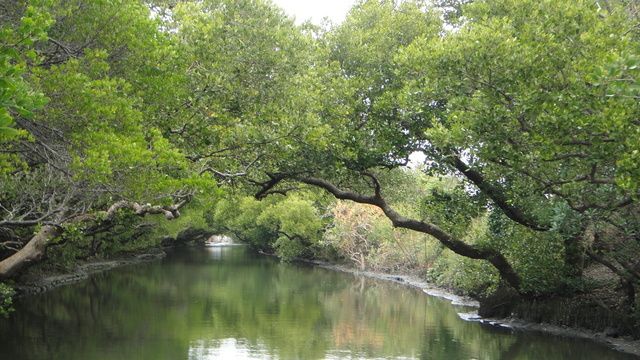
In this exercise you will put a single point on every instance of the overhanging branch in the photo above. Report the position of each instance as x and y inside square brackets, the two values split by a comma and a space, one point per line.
[498, 196]
[35, 250]
[459, 247]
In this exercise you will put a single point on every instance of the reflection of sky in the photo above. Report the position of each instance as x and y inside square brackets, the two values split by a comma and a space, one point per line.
[316, 9]
[216, 252]
[240, 349]
[227, 349]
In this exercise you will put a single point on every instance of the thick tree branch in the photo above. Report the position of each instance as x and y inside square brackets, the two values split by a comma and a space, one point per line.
[459, 247]
[585, 142]
[581, 208]
[623, 274]
[498, 196]
[31, 253]
[35, 249]
[169, 212]
[267, 187]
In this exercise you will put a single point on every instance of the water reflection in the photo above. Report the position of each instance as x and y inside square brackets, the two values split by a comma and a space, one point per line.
[231, 303]
[216, 252]
[226, 349]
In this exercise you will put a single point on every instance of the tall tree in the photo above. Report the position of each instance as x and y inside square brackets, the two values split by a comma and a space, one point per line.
[503, 101]
[523, 122]
[372, 131]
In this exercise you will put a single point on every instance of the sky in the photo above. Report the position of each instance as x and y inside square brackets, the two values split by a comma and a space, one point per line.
[315, 10]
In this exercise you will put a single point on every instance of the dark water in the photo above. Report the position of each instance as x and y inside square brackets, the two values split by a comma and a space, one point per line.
[230, 303]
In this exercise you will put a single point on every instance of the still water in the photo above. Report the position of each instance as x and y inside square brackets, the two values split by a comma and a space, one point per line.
[231, 303]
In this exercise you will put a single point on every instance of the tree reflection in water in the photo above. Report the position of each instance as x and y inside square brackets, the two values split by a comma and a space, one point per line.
[229, 302]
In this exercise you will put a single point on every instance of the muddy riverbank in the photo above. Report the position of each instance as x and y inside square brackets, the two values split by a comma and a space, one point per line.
[35, 283]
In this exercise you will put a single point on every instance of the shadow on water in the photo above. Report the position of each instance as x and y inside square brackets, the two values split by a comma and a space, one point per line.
[233, 303]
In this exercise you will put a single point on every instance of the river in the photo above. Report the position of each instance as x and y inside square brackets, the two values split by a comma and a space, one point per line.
[232, 303]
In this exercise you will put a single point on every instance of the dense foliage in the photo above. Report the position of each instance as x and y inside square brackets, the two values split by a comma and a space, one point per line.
[525, 113]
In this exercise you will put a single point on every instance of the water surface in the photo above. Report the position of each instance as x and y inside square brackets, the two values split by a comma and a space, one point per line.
[231, 303]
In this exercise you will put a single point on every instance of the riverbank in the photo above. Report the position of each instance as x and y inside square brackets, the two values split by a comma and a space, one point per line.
[622, 344]
[38, 282]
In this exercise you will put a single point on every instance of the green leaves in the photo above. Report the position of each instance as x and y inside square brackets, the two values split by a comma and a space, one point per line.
[364, 46]
[290, 226]
[618, 75]
[146, 107]
[16, 95]
[6, 124]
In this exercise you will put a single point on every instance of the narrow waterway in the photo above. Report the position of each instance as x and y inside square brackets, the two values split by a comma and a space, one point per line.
[231, 303]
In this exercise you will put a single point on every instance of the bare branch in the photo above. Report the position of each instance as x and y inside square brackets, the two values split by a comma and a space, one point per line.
[620, 272]
[585, 142]
[66, 49]
[170, 212]
[567, 156]
[222, 174]
[211, 154]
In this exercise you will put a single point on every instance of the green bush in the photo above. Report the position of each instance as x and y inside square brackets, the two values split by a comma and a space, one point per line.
[6, 303]
[290, 226]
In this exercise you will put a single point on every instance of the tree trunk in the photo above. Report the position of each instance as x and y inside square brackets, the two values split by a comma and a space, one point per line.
[33, 252]
[574, 254]
[627, 277]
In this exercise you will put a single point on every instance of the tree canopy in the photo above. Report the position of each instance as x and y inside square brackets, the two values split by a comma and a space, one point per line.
[112, 110]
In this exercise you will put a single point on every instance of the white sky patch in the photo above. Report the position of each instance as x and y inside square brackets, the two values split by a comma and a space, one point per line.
[316, 10]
